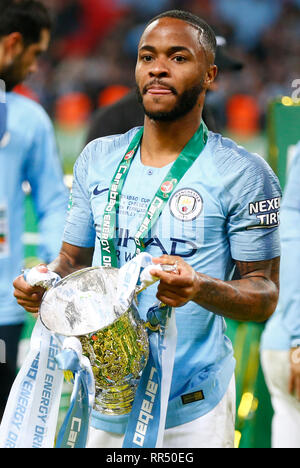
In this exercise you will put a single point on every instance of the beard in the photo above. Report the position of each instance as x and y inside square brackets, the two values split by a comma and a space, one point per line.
[12, 75]
[9, 78]
[186, 102]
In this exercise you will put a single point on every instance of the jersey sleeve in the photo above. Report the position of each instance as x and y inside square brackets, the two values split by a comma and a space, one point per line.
[289, 300]
[254, 197]
[79, 228]
[49, 193]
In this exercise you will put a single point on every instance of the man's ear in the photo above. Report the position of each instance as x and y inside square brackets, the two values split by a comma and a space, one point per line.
[13, 46]
[210, 76]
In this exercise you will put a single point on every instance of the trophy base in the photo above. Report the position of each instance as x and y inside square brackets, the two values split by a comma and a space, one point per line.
[115, 401]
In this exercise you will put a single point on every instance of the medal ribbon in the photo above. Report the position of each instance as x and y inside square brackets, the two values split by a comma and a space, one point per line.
[187, 157]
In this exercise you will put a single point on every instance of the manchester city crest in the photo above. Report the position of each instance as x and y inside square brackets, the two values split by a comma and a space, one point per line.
[186, 204]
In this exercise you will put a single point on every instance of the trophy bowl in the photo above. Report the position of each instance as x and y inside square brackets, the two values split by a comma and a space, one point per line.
[115, 340]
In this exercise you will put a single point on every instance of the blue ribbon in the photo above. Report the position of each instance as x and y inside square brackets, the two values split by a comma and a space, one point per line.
[74, 430]
[144, 420]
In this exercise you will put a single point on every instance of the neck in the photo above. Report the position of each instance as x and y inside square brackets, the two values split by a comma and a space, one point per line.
[163, 141]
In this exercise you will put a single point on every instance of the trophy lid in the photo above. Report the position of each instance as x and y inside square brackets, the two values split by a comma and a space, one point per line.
[83, 302]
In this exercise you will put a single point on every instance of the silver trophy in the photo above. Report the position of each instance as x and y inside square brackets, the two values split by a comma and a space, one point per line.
[85, 305]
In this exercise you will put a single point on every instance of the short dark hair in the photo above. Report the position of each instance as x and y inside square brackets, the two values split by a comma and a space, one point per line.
[207, 35]
[28, 17]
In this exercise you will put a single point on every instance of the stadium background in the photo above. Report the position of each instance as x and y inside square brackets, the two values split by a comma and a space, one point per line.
[91, 64]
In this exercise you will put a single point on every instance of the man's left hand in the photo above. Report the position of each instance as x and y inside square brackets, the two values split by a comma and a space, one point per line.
[178, 287]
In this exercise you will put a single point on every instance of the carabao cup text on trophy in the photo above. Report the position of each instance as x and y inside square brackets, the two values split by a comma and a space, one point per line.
[114, 339]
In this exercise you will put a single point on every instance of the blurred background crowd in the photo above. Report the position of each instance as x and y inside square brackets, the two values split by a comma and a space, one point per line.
[93, 51]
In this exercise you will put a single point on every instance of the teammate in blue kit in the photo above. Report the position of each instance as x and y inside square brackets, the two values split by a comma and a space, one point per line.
[280, 343]
[27, 153]
[3, 62]
[195, 199]
[10, 47]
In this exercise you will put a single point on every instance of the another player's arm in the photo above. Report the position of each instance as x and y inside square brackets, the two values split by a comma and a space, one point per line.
[253, 297]
[70, 259]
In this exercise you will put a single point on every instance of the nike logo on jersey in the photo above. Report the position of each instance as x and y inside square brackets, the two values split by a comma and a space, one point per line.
[98, 192]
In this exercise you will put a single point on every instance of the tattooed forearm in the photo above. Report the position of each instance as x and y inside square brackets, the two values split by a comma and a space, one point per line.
[251, 298]
[268, 269]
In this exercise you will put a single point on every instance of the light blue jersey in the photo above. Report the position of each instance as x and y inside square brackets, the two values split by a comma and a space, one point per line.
[2, 119]
[29, 154]
[3, 110]
[282, 331]
[224, 208]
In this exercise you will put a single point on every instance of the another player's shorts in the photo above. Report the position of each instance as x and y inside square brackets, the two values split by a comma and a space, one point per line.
[286, 420]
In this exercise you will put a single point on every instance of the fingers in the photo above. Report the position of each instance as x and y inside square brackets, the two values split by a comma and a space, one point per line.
[172, 278]
[21, 285]
[31, 305]
[164, 260]
[178, 287]
[171, 298]
[29, 297]
[167, 260]
[183, 276]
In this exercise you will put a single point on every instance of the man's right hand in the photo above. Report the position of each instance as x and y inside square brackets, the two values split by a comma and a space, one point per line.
[29, 297]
